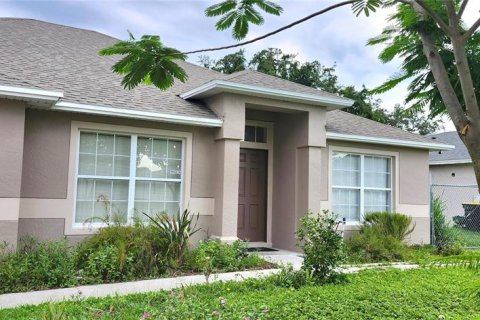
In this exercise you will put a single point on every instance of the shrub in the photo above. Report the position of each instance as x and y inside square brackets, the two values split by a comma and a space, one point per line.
[118, 253]
[444, 240]
[289, 278]
[177, 231]
[370, 245]
[322, 245]
[396, 225]
[380, 237]
[212, 256]
[37, 266]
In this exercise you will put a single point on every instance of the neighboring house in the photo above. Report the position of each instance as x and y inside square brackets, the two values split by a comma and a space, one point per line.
[451, 173]
[251, 153]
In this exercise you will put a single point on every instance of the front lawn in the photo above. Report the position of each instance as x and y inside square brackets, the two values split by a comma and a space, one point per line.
[438, 293]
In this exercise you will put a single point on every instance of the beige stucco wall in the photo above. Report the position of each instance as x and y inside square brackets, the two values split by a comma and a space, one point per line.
[48, 171]
[12, 120]
[442, 174]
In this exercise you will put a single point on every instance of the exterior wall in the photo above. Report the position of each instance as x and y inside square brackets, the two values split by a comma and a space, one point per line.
[296, 178]
[442, 174]
[48, 200]
[455, 184]
[12, 121]
[410, 183]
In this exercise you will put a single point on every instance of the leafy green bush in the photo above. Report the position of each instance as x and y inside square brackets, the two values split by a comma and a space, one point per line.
[215, 256]
[322, 245]
[37, 266]
[290, 278]
[444, 240]
[370, 245]
[380, 237]
[118, 253]
[394, 224]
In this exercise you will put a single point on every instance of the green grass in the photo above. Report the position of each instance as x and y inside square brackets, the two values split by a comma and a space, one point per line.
[414, 294]
[467, 237]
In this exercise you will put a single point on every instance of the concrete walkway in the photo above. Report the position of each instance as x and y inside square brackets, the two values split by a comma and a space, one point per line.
[280, 257]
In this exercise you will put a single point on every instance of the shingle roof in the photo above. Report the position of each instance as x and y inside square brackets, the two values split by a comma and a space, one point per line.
[252, 77]
[60, 58]
[43, 55]
[346, 123]
[460, 153]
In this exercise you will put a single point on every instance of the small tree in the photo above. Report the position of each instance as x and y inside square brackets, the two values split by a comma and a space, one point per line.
[321, 244]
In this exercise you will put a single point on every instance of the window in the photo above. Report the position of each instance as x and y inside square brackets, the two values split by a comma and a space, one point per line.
[122, 175]
[255, 134]
[360, 184]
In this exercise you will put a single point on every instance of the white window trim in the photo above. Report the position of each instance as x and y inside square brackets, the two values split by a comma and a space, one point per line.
[394, 187]
[77, 127]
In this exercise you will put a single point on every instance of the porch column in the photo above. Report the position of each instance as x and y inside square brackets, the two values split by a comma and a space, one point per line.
[12, 123]
[309, 164]
[231, 109]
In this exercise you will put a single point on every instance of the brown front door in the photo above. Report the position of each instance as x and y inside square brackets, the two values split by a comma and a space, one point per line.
[252, 195]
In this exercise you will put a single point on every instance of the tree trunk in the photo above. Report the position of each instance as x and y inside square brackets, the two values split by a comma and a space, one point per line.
[467, 123]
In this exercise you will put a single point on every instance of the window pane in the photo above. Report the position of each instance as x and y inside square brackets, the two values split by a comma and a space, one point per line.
[158, 168]
[172, 191]
[260, 134]
[377, 172]
[160, 148]
[346, 203]
[119, 211]
[105, 144]
[144, 147]
[122, 145]
[156, 208]
[86, 164]
[120, 190]
[174, 170]
[121, 166]
[157, 191]
[85, 189]
[142, 190]
[104, 165]
[88, 142]
[171, 207]
[346, 170]
[174, 149]
[250, 133]
[83, 211]
[376, 200]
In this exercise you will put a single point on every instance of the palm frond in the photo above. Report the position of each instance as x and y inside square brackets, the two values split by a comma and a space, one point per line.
[146, 61]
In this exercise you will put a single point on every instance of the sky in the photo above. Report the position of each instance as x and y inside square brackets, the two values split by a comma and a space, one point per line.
[337, 37]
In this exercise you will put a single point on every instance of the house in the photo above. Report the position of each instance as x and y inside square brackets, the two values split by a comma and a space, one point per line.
[251, 153]
[452, 176]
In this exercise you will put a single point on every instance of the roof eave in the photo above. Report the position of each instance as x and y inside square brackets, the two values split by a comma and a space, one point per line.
[219, 86]
[136, 114]
[389, 141]
[447, 162]
[29, 94]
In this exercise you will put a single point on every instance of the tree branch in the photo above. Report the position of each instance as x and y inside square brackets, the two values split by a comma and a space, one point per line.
[337, 5]
[440, 74]
[428, 10]
[462, 9]
[452, 15]
[472, 30]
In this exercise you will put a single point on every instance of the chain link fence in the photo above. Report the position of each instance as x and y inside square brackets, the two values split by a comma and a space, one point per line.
[455, 214]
